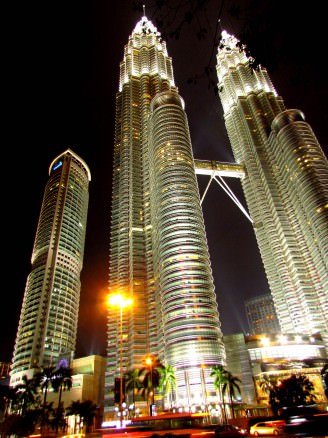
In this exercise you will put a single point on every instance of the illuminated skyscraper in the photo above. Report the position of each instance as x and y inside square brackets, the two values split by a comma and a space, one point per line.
[49, 316]
[261, 315]
[158, 248]
[286, 189]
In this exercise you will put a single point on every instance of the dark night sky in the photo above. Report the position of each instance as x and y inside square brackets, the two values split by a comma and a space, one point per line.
[60, 66]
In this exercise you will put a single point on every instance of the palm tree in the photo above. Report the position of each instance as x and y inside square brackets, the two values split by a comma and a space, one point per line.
[133, 384]
[45, 377]
[48, 413]
[8, 398]
[151, 376]
[219, 374]
[168, 382]
[62, 381]
[231, 386]
[86, 410]
[267, 382]
[59, 420]
[25, 408]
[27, 395]
[19, 425]
[324, 374]
[74, 409]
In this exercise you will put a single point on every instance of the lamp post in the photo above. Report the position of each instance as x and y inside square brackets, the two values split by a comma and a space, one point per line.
[149, 362]
[121, 302]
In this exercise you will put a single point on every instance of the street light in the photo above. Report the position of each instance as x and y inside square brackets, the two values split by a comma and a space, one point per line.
[120, 301]
[149, 362]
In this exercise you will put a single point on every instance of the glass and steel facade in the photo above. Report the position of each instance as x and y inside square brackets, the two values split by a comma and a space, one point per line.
[252, 358]
[261, 315]
[48, 322]
[158, 247]
[285, 186]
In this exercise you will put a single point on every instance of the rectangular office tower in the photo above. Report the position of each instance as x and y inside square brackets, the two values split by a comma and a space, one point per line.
[286, 189]
[158, 248]
[261, 315]
[48, 321]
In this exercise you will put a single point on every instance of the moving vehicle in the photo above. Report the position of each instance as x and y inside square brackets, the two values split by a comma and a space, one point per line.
[267, 428]
[305, 420]
[228, 431]
[172, 421]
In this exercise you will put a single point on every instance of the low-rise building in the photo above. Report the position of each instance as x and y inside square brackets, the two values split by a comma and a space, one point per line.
[88, 383]
[254, 358]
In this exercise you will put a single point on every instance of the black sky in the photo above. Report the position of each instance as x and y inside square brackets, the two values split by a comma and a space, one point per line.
[60, 74]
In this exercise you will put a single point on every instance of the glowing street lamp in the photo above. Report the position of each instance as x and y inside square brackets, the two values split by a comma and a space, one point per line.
[120, 301]
[149, 362]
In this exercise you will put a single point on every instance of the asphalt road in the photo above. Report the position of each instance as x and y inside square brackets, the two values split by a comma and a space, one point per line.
[192, 433]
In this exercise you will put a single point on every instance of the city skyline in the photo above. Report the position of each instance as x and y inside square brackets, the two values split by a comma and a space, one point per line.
[49, 143]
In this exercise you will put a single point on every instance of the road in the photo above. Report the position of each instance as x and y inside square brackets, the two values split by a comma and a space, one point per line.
[182, 433]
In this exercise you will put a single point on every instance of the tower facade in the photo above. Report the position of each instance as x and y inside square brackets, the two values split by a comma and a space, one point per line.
[48, 322]
[286, 189]
[261, 315]
[158, 249]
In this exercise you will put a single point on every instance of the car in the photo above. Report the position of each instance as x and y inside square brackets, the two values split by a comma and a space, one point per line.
[267, 428]
[316, 424]
[228, 431]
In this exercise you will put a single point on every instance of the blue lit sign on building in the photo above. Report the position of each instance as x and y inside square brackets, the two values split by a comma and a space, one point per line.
[60, 163]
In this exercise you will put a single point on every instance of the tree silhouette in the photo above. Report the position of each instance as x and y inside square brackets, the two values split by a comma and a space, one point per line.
[168, 382]
[150, 374]
[19, 425]
[27, 395]
[8, 398]
[74, 409]
[59, 421]
[293, 391]
[133, 384]
[62, 381]
[86, 410]
[25, 408]
[231, 386]
[219, 373]
[324, 374]
[45, 379]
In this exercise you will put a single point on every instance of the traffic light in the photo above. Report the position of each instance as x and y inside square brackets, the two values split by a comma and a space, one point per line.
[117, 390]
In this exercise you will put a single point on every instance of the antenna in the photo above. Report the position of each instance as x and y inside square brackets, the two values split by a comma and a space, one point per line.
[144, 10]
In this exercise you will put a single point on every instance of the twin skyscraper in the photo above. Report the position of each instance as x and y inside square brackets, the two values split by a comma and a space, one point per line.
[158, 250]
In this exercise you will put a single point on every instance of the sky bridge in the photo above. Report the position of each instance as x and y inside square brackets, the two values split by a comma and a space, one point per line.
[217, 170]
